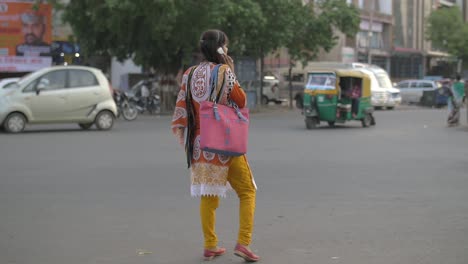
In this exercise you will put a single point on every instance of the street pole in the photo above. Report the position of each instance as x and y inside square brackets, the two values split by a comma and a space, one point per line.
[369, 34]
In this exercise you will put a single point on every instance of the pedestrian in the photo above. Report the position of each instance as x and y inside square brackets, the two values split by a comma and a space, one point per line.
[212, 175]
[455, 101]
[465, 100]
[145, 93]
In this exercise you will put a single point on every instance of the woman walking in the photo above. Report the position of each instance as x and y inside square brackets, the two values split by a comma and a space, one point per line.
[455, 101]
[212, 175]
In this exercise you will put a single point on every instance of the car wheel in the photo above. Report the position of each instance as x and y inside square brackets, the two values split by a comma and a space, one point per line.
[86, 126]
[265, 100]
[15, 123]
[104, 120]
[390, 107]
[367, 120]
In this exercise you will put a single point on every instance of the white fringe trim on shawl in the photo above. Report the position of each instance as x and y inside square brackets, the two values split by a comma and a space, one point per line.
[210, 190]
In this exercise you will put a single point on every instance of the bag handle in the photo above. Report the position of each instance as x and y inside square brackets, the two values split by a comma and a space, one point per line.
[214, 84]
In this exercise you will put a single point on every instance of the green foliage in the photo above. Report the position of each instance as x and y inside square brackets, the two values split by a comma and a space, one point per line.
[448, 32]
[164, 34]
[317, 24]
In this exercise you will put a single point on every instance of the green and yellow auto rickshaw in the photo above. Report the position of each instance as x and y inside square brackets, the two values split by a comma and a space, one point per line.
[337, 96]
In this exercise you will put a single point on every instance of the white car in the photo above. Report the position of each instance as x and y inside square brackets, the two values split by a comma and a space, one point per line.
[413, 91]
[395, 98]
[59, 94]
[271, 91]
[384, 82]
[383, 95]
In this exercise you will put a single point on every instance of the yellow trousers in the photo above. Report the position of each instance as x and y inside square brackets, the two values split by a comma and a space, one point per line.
[240, 178]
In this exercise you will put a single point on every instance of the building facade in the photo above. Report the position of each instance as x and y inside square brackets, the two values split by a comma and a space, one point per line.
[392, 35]
[374, 39]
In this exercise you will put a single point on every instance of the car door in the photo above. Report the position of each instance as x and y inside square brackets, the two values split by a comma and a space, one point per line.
[415, 92]
[424, 86]
[84, 93]
[404, 91]
[46, 96]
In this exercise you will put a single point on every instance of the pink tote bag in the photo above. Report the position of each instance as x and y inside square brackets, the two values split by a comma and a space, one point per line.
[223, 129]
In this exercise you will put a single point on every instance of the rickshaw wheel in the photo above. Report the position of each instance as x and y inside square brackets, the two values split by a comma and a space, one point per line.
[311, 122]
[331, 123]
[367, 120]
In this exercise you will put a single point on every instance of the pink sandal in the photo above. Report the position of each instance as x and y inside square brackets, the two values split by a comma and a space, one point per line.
[245, 253]
[211, 254]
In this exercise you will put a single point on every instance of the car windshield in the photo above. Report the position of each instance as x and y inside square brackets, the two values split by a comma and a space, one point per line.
[24, 77]
[321, 81]
[384, 81]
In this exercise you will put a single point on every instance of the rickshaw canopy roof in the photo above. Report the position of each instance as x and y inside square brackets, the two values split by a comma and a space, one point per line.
[354, 73]
[348, 73]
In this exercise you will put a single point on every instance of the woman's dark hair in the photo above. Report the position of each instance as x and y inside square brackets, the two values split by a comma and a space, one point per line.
[210, 41]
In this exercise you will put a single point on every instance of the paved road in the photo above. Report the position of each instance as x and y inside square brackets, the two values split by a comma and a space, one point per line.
[395, 193]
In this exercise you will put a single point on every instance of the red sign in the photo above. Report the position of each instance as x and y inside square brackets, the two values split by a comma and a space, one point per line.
[25, 33]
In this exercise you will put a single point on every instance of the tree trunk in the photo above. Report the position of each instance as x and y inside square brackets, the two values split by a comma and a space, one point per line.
[290, 85]
[459, 66]
[262, 65]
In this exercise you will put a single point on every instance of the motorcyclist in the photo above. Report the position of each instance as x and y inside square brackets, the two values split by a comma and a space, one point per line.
[145, 92]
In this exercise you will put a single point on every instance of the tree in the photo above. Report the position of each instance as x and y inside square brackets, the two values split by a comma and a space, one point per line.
[273, 31]
[447, 31]
[316, 27]
[162, 34]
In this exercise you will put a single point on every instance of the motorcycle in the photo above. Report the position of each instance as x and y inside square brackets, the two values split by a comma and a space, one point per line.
[154, 104]
[125, 105]
[150, 104]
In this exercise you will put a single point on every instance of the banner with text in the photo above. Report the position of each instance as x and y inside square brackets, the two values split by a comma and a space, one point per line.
[25, 36]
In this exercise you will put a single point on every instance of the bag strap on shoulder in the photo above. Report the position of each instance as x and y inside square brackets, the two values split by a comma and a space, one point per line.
[214, 84]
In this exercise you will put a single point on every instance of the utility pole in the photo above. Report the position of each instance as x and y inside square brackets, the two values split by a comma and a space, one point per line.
[369, 33]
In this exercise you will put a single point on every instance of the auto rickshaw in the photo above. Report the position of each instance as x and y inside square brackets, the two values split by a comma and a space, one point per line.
[337, 96]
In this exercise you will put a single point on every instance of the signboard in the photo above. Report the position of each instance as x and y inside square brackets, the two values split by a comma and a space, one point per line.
[347, 55]
[25, 36]
[23, 63]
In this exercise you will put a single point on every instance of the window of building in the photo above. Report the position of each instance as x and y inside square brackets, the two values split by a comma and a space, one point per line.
[375, 41]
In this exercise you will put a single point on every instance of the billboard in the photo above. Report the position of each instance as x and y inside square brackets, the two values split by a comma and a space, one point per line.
[25, 36]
